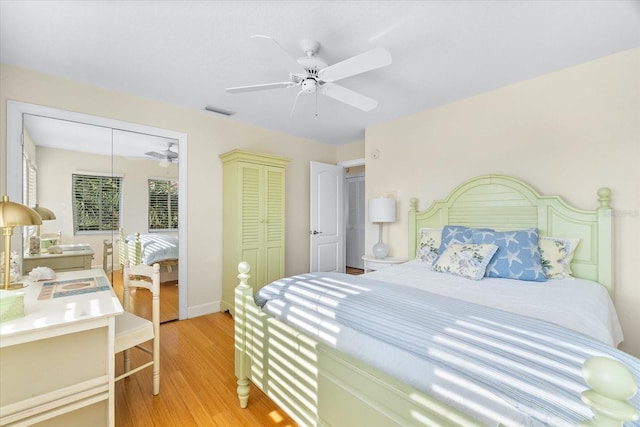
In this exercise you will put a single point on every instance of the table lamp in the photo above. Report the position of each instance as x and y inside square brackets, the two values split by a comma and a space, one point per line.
[381, 210]
[13, 215]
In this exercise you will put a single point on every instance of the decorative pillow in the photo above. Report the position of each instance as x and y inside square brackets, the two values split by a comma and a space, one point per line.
[518, 255]
[457, 234]
[428, 244]
[466, 260]
[556, 254]
[454, 234]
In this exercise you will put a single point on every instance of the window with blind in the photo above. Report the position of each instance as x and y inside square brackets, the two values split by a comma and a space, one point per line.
[29, 195]
[96, 202]
[163, 204]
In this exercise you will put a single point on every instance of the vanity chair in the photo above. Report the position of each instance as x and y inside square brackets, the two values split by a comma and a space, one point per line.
[133, 331]
[107, 254]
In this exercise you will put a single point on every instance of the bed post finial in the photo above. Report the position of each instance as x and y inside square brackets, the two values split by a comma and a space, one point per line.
[604, 197]
[413, 204]
[612, 384]
[243, 269]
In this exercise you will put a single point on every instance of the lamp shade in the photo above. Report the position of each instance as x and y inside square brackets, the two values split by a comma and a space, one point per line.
[44, 213]
[382, 210]
[14, 214]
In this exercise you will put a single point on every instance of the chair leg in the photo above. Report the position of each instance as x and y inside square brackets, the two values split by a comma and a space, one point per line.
[127, 361]
[156, 370]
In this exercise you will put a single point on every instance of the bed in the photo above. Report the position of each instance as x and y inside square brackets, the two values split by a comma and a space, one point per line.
[148, 249]
[465, 362]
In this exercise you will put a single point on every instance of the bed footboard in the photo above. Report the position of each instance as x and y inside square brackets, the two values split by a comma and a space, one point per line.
[319, 386]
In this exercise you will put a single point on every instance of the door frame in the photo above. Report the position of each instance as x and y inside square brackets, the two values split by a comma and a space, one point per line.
[15, 113]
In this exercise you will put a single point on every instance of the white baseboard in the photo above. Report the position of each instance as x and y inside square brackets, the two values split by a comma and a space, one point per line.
[202, 309]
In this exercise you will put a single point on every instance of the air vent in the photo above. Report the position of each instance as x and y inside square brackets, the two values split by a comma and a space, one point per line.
[219, 111]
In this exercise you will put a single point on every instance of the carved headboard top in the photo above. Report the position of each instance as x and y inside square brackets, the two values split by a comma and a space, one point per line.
[506, 203]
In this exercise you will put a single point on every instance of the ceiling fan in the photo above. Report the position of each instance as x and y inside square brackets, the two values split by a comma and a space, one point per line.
[166, 156]
[313, 75]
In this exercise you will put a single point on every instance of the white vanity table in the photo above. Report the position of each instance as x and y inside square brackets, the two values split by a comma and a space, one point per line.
[57, 362]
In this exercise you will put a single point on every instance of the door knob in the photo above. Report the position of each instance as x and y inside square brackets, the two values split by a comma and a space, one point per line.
[314, 232]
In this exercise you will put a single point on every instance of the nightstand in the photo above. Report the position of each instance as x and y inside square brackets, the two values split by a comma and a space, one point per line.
[371, 263]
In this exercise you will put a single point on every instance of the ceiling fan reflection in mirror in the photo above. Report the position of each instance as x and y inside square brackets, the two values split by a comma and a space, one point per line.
[313, 75]
[166, 157]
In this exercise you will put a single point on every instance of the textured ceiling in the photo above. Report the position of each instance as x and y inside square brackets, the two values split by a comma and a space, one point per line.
[187, 52]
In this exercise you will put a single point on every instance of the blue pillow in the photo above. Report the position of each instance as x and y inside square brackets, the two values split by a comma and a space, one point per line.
[457, 234]
[518, 255]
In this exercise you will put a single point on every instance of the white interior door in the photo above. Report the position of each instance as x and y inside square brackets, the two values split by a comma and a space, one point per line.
[327, 232]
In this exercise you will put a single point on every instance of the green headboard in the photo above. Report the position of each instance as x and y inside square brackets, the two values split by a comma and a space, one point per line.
[506, 203]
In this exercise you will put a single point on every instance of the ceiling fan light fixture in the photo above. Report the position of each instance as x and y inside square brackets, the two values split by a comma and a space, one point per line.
[317, 76]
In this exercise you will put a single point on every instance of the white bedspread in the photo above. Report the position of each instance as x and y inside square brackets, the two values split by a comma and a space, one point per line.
[155, 247]
[497, 367]
[581, 305]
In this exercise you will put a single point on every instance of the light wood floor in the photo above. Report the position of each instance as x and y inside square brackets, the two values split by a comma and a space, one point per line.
[197, 381]
[354, 271]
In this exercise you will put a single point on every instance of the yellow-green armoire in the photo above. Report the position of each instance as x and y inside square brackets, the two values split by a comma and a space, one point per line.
[253, 219]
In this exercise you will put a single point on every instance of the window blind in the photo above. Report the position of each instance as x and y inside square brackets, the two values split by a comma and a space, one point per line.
[163, 204]
[96, 202]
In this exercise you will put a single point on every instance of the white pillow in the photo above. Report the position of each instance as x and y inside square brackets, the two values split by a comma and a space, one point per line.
[467, 259]
[556, 254]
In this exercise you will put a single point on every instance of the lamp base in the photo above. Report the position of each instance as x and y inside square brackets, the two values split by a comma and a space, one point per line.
[380, 250]
[16, 286]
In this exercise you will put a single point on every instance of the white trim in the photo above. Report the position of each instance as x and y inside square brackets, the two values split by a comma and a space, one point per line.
[91, 173]
[15, 112]
[352, 163]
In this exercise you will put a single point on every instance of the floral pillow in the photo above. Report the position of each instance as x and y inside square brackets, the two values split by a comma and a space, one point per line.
[428, 244]
[466, 260]
[556, 254]
[518, 255]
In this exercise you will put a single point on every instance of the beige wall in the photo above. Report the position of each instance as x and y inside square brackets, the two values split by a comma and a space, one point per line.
[351, 151]
[568, 133]
[208, 136]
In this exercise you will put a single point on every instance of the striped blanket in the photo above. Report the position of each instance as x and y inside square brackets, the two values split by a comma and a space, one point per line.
[495, 366]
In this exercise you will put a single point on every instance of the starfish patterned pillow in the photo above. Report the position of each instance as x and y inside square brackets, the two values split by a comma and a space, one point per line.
[518, 255]
[457, 234]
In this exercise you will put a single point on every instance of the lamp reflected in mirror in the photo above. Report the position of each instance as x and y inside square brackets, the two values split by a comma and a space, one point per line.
[35, 241]
[13, 215]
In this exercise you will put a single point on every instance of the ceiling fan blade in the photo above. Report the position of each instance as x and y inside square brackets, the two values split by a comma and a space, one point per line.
[349, 97]
[155, 154]
[268, 43]
[252, 88]
[367, 61]
[295, 102]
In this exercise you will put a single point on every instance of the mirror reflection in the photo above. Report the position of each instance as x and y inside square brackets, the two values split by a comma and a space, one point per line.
[106, 189]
